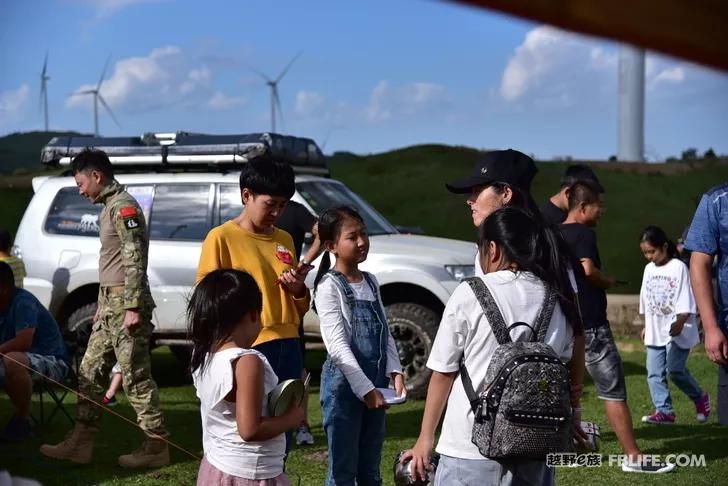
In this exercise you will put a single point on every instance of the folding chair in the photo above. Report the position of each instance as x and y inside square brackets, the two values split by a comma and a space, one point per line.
[56, 394]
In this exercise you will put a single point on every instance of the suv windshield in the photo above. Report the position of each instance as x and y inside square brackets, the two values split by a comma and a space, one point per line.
[323, 195]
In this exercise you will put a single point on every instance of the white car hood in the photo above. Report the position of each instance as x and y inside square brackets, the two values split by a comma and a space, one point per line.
[442, 251]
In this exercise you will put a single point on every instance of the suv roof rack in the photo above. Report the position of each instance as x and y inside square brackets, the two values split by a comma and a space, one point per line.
[183, 150]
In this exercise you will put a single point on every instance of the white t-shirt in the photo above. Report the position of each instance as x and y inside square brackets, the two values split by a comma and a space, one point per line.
[465, 329]
[221, 441]
[666, 293]
[570, 272]
[335, 317]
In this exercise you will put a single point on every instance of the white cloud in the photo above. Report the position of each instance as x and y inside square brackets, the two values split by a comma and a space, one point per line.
[12, 102]
[161, 78]
[309, 103]
[220, 101]
[107, 8]
[410, 99]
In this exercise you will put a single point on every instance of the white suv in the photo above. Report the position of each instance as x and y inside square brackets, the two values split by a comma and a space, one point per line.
[58, 240]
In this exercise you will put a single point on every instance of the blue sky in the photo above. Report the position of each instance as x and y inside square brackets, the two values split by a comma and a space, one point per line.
[372, 76]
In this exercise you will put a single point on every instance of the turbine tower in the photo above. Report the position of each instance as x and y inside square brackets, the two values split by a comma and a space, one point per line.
[44, 90]
[631, 131]
[96, 92]
[275, 100]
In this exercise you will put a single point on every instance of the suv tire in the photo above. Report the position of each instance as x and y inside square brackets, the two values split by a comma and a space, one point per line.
[413, 327]
[78, 330]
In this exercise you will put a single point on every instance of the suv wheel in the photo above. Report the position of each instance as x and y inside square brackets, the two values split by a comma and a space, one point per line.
[78, 330]
[413, 327]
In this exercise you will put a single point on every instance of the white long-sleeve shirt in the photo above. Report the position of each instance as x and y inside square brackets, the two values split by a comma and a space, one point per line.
[335, 317]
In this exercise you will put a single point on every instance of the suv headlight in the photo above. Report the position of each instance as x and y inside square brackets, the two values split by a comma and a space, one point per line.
[460, 272]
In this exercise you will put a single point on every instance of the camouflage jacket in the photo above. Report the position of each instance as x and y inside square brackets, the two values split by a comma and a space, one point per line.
[124, 245]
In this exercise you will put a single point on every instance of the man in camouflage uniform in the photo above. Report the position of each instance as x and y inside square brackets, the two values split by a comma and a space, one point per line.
[122, 325]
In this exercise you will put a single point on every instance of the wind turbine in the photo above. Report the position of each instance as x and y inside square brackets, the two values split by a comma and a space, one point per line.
[97, 97]
[44, 90]
[275, 100]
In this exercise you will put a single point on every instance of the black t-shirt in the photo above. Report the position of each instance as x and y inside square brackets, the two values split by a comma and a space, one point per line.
[551, 213]
[592, 300]
[296, 220]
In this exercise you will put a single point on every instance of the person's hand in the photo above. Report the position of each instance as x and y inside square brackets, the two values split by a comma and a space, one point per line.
[295, 415]
[642, 334]
[579, 435]
[293, 281]
[374, 399]
[716, 345]
[676, 328]
[419, 457]
[399, 386]
[132, 319]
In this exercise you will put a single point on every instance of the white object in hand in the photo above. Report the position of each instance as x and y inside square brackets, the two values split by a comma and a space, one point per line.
[390, 396]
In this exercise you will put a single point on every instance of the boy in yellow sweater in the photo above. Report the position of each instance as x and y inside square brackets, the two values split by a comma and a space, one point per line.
[253, 244]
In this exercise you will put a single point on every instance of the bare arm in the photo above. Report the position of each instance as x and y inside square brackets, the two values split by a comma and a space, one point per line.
[716, 344]
[315, 249]
[22, 341]
[253, 427]
[595, 276]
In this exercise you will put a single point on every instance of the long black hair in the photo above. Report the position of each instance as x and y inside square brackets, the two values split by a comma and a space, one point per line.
[218, 304]
[655, 236]
[329, 229]
[534, 247]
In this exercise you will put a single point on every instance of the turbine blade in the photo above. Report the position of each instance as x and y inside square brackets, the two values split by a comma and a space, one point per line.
[278, 103]
[103, 72]
[266, 78]
[290, 63]
[45, 64]
[103, 102]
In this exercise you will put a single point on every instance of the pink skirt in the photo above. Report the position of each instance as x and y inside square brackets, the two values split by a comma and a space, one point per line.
[210, 475]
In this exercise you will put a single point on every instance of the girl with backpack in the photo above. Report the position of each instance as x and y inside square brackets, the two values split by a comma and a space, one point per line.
[243, 444]
[526, 281]
[671, 327]
[362, 353]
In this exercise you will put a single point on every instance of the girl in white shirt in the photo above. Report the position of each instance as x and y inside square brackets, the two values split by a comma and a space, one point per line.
[519, 258]
[362, 353]
[243, 445]
[671, 327]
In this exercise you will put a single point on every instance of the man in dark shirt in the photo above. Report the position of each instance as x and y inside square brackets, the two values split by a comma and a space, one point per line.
[603, 362]
[554, 210]
[29, 340]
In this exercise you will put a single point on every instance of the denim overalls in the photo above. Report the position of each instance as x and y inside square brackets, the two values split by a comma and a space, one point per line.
[355, 434]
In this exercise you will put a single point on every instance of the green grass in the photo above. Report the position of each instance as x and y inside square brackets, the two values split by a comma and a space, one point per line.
[181, 410]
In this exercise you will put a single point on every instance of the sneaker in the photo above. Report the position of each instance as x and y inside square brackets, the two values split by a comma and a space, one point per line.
[702, 408]
[17, 430]
[109, 402]
[659, 418]
[647, 467]
[304, 436]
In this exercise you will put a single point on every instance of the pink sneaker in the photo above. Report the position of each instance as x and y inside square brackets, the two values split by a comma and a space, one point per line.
[702, 408]
[659, 418]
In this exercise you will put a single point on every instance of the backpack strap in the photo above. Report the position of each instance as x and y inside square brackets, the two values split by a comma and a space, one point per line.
[544, 316]
[490, 308]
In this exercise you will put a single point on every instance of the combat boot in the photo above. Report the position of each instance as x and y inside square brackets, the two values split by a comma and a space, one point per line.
[152, 453]
[77, 447]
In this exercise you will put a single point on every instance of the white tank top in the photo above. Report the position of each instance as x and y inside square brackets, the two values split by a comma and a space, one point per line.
[223, 446]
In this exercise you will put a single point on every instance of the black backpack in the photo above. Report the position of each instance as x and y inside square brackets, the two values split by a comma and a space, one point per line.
[524, 410]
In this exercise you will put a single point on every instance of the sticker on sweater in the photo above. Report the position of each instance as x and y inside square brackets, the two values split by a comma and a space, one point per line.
[284, 255]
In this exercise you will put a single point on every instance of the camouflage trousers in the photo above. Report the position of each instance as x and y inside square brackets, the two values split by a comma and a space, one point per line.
[110, 343]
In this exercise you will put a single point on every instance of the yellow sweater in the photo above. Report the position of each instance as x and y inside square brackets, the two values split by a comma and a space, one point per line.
[265, 258]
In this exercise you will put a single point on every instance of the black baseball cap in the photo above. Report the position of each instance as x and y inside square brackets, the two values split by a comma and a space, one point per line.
[508, 166]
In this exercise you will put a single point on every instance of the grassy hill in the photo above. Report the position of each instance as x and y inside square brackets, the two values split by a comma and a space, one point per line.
[407, 186]
[21, 151]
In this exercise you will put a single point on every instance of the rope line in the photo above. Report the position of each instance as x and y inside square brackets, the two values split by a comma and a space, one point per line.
[80, 396]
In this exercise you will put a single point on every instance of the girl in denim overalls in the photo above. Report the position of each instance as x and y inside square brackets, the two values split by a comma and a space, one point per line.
[362, 354]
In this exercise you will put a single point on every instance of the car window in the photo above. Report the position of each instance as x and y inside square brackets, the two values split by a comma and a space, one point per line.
[180, 212]
[230, 202]
[72, 214]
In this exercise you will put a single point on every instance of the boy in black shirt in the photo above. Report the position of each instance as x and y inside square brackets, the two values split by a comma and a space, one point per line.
[554, 210]
[603, 362]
